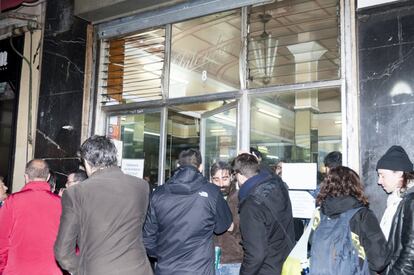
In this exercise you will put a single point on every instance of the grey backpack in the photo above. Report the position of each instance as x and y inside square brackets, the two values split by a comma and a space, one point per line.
[335, 249]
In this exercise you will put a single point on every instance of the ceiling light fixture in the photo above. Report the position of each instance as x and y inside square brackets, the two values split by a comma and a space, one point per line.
[265, 50]
[269, 113]
[217, 130]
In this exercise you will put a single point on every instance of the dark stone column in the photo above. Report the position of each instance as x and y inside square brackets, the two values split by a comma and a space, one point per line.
[386, 77]
[61, 88]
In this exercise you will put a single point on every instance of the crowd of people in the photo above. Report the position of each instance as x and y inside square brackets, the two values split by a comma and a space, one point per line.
[237, 221]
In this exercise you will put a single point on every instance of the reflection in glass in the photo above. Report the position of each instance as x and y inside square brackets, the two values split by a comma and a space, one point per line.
[293, 42]
[301, 126]
[221, 137]
[184, 132]
[140, 137]
[205, 55]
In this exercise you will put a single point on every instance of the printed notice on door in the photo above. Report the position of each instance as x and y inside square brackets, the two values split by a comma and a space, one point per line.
[303, 204]
[133, 167]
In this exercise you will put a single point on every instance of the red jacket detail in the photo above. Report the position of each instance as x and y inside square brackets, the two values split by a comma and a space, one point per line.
[29, 222]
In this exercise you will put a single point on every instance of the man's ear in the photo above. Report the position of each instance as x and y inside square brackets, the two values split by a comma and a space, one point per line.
[241, 179]
[26, 178]
[200, 168]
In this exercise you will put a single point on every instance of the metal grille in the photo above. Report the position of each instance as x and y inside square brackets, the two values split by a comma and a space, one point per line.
[132, 68]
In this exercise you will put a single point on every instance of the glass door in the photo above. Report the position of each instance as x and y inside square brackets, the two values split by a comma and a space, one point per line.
[137, 138]
[218, 135]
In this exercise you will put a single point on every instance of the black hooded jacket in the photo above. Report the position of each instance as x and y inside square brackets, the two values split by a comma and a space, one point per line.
[181, 219]
[266, 242]
[365, 224]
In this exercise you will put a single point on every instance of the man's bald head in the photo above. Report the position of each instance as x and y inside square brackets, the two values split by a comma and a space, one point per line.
[37, 169]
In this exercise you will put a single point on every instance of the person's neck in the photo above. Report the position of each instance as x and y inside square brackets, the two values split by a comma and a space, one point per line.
[36, 179]
[96, 169]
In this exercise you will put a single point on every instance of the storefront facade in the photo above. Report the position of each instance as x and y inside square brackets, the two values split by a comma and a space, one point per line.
[295, 79]
[269, 76]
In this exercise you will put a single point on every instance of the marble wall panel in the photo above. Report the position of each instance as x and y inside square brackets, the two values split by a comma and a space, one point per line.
[61, 88]
[386, 69]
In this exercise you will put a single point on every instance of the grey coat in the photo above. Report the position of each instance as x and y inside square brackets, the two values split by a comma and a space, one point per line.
[104, 216]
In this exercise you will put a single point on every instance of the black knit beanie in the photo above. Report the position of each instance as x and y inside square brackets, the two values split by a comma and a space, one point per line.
[395, 159]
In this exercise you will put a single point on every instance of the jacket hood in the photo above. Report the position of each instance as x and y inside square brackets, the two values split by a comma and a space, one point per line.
[249, 185]
[186, 180]
[333, 206]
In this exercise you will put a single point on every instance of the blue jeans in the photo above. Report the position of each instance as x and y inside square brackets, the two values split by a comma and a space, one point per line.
[228, 269]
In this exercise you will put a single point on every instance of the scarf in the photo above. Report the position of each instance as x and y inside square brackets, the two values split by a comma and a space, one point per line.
[393, 201]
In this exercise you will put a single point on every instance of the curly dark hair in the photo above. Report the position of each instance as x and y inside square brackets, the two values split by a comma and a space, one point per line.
[342, 181]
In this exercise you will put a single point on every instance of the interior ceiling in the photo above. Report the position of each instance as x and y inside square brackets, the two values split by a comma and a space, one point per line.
[210, 43]
[298, 21]
[213, 43]
[215, 39]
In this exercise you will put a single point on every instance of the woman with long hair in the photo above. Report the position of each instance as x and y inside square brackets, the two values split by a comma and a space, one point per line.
[344, 205]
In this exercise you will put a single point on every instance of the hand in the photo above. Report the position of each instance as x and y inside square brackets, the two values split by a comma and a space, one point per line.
[231, 227]
[61, 190]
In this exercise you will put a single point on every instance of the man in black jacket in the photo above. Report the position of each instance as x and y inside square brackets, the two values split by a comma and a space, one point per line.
[266, 221]
[182, 216]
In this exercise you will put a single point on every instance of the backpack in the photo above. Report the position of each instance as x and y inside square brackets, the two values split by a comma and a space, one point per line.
[335, 249]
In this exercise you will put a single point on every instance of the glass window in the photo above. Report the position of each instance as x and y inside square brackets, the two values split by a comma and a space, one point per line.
[220, 136]
[293, 42]
[133, 67]
[205, 55]
[210, 123]
[301, 126]
[138, 138]
[183, 132]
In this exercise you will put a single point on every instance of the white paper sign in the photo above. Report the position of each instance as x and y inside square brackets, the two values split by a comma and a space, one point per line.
[133, 167]
[300, 176]
[303, 204]
[119, 148]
